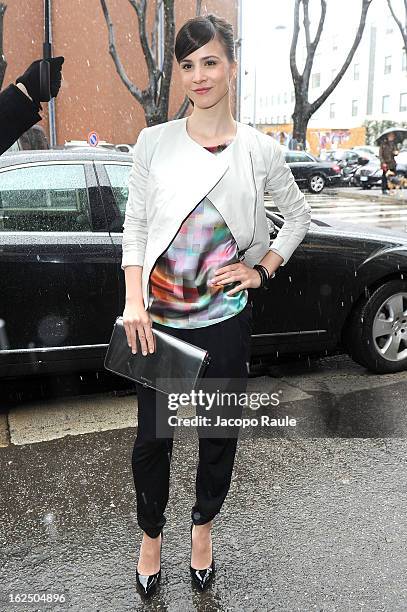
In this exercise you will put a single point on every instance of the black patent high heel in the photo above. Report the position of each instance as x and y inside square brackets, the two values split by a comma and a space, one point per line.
[202, 577]
[147, 584]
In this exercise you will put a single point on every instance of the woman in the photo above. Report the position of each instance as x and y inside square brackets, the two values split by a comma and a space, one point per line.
[194, 198]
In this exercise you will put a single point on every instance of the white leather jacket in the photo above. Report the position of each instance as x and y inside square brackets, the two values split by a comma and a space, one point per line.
[172, 173]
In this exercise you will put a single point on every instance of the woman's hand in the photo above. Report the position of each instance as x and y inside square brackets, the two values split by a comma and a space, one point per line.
[248, 277]
[136, 320]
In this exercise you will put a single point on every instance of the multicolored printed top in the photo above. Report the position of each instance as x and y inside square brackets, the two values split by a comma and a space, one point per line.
[180, 292]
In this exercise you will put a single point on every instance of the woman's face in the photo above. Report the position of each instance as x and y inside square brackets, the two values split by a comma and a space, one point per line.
[207, 67]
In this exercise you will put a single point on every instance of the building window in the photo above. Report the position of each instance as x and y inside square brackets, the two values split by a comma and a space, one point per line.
[387, 64]
[332, 110]
[385, 104]
[403, 102]
[356, 72]
[278, 119]
[354, 108]
[278, 99]
[285, 119]
[316, 79]
[292, 95]
[272, 100]
[285, 97]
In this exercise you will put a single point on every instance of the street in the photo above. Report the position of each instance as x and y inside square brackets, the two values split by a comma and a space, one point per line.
[314, 520]
[355, 205]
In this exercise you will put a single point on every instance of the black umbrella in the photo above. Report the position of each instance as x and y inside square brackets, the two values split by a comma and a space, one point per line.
[45, 81]
[400, 134]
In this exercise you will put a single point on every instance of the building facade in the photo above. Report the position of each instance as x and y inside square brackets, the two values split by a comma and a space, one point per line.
[93, 96]
[374, 87]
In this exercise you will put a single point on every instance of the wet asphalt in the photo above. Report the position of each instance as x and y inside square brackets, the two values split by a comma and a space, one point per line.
[315, 518]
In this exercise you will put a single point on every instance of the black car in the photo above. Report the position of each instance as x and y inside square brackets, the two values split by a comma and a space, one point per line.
[312, 173]
[62, 287]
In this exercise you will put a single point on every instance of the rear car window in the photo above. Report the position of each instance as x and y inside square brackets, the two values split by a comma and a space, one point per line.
[44, 198]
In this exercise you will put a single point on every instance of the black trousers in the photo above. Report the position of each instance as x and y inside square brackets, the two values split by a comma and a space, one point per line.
[384, 182]
[228, 343]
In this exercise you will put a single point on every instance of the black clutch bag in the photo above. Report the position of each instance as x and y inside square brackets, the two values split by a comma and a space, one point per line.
[174, 367]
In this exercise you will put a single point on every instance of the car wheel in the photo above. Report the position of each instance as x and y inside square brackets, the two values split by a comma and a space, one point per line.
[376, 336]
[316, 183]
[366, 186]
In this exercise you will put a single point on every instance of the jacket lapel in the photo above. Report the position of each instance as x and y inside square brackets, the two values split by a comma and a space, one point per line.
[189, 173]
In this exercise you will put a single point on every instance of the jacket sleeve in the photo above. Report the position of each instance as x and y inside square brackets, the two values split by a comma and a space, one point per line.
[290, 201]
[135, 220]
[17, 114]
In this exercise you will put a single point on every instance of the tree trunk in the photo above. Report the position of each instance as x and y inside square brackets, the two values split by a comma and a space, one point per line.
[301, 116]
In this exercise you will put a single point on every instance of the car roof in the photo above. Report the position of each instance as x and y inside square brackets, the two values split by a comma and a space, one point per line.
[75, 154]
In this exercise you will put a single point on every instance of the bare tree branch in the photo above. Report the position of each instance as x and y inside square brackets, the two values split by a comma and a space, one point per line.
[312, 46]
[362, 22]
[140, 8]
[293, 61]
[134, 90]
[306, 25]
[400, 25]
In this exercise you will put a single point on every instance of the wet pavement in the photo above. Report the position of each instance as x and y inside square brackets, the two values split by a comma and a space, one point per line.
[315, 518]
[356, 205]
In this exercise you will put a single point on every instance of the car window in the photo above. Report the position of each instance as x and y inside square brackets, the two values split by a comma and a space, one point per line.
[308, 158]
[118, 176]
[44, 198]
[297, 156]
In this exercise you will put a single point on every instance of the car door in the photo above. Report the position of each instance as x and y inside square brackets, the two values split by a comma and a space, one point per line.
[283, 314]
[59, 294]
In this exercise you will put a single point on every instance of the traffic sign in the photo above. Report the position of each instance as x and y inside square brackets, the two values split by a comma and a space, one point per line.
[93, 139]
